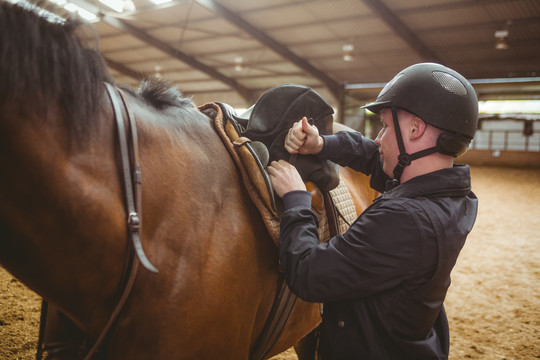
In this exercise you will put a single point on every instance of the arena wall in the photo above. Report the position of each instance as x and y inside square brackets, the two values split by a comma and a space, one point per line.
[506, 158]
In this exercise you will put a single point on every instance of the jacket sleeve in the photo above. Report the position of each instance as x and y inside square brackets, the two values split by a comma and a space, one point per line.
[350, 148]
[377, 253]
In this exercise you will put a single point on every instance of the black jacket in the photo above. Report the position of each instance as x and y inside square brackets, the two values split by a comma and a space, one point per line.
[383, 282]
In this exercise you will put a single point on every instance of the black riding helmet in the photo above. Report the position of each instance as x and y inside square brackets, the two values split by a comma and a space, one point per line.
[439, 96]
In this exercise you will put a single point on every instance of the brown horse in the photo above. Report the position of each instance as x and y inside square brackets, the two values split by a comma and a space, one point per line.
[63, 220]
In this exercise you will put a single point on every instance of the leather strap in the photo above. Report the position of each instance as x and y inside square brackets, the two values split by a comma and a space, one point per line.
[331, 214]
[278, 317]
[133, 197]
[41, 336]
[285, 300]
[133, 202]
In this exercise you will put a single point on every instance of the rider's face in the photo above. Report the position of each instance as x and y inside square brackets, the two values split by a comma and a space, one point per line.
[387, 143]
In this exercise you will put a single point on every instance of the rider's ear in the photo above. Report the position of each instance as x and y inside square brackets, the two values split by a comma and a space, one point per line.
[417, 128]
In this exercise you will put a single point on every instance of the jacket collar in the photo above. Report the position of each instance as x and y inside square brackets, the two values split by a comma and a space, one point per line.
[455, 181]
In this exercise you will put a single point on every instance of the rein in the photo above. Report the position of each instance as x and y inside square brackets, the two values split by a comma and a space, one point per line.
[132, 186]
[130, 159]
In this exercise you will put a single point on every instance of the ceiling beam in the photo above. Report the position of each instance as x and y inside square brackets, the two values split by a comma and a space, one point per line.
[335, 88]
[124, 69]
[124, 26]
[246, 93]
[521, 88]
[402, 30]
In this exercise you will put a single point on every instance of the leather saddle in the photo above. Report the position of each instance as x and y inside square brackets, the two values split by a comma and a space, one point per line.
[264, 126]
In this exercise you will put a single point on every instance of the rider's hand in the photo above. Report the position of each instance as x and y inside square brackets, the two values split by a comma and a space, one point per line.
[284, 177]
[303, 138]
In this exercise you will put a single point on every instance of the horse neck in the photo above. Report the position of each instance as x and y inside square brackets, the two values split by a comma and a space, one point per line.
[61, 213]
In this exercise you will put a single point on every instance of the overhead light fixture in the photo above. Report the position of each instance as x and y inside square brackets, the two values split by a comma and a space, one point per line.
[347, 52]
[119, 5]
[157, 71]
[85, 14]
[129, 5]
[159, 2]
[501, 44]
[500, 39]
[76, 9]
[116, 5]
[238, 61]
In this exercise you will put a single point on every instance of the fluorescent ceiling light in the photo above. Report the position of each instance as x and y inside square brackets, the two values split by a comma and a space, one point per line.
[159, 2]
[116, 5]
[59, 2]
[85, 14]
[47, 15]
[347, 52]
[82, 12]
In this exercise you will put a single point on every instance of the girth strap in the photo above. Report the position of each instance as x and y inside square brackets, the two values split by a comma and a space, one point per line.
[278, 317]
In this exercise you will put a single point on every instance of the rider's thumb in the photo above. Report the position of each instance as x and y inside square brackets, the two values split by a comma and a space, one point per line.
[307, 128]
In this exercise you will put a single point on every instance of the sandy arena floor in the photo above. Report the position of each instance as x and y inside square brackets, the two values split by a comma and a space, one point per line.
[493, 304]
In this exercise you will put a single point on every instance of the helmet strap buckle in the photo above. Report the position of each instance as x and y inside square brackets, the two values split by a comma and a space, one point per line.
[403, 161]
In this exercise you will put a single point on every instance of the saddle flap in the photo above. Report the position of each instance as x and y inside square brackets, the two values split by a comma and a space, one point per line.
[254, 156]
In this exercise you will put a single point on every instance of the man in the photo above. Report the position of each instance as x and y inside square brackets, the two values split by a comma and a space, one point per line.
[383, 282]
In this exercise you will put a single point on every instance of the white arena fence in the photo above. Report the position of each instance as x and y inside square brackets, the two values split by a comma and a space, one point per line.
[507, 133]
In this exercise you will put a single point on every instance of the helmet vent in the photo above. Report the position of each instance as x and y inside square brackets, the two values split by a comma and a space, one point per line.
[450, 83]
[390, 85]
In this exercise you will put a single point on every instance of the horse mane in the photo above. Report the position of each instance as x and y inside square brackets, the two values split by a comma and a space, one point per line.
[162, 94]
[46, 65]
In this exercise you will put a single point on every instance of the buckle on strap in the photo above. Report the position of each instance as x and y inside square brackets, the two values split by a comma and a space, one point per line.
[134, 222]
[403, 160]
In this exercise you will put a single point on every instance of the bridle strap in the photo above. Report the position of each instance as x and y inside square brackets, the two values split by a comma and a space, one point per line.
[133, 202]
[133, 197]
[132, 270]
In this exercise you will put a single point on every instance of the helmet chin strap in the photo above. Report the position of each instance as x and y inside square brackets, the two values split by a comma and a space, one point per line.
[405, 159]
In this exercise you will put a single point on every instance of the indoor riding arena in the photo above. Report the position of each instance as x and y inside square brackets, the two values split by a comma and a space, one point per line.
[493, 304]
[232, 51]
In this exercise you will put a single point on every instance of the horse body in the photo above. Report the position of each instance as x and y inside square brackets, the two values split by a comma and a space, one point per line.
[216, 280]
[63, 220]
[218, 270]
[63, 224]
